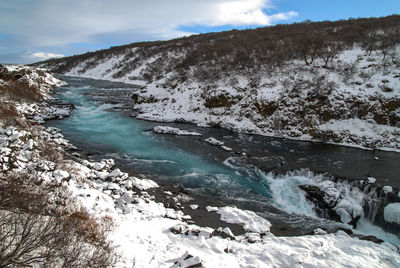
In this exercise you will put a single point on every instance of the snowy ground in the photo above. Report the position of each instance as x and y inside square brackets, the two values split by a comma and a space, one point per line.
[147, 234]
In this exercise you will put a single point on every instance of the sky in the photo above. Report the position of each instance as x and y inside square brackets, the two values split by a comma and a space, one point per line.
[35, 30]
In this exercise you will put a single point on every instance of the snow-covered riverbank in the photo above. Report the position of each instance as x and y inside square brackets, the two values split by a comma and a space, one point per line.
[351, 102]
[147, 234]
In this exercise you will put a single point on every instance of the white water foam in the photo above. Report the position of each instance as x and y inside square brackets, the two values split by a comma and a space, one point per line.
[364, 227]
[287, 195]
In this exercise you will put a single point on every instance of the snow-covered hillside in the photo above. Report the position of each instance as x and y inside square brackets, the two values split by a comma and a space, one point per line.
[146, 233]
[324, 88]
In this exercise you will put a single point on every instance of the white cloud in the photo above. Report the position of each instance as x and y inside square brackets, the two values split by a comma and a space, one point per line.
[44, 55]
[27, 57]
[49, 22]
[48, 25]
[242, 12]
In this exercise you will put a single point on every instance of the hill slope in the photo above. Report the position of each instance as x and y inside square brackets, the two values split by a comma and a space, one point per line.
[329, 81]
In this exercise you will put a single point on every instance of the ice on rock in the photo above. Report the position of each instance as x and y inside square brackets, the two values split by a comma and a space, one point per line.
[253, 237]
[174, 131]
[228, 232]
[5, 167]
[29, 145]
[3, 141]
[214, 141]
[141, 184]
[60, 175]
[113, 186]
[179, 228]
[188, 261]
[211, 209]
[371, 180]
[58, 136]
[391, 213]
[332, 193]
[387, 189]
[52, 130]
[98, 166]
[228, 149]
[128, 184]
[15, 137]
[348, 210]
[319, 231]
[173, 214]
[115, 173]
[9, 131]
[248, 219]
[20, 164]
[109, 162]
[46, 165]
[5, 151]
[194, 206]
[22, 158]
[87, 163]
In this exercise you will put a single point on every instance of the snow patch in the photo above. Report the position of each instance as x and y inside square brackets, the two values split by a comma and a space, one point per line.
[174, 131]
[392, 213]
[248, 219]
[214, 141]
[387, 189]
[141, 184]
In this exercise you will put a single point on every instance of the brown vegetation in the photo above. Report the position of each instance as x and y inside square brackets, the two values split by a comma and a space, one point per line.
[209, 56]
[35, 230]
[16, 88]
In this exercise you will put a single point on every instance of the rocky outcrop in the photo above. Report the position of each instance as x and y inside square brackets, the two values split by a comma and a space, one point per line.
[347, 203]
[319, 198]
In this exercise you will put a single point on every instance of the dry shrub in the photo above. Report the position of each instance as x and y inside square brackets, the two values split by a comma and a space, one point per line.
[8, 113]
[52, 153]
[21, 90]
[34, 231]
[239, 51]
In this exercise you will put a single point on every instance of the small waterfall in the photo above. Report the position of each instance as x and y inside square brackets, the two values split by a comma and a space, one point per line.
[358, 203]
[371, 202]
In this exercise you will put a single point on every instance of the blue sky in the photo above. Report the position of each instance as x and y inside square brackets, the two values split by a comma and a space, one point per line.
[33, 30]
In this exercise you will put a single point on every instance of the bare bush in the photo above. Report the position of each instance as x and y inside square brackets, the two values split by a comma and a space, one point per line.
[329, 51]
[18, 88]
[8, 113]
[34, 232]
[348, 70]
[52, 153]
[309, 46]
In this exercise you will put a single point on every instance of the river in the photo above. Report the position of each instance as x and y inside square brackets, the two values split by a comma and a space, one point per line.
[261, 173]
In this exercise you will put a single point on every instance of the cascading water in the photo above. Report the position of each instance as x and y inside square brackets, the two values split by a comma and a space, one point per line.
[231, 179]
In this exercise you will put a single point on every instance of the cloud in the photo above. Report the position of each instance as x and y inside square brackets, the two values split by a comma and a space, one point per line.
[27, 57]
[44, 55]
[43, 24]
[248, 12]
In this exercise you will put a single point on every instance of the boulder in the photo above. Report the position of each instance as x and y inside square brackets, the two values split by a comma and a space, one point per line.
[321, 207]
[224, 233]
[189, 261]
[98, 166]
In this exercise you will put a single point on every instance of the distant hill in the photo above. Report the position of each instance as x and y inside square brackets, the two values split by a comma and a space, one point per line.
[329, 81]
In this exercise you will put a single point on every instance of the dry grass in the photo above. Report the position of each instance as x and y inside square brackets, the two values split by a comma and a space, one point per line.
[21, 90]
[34, 231]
